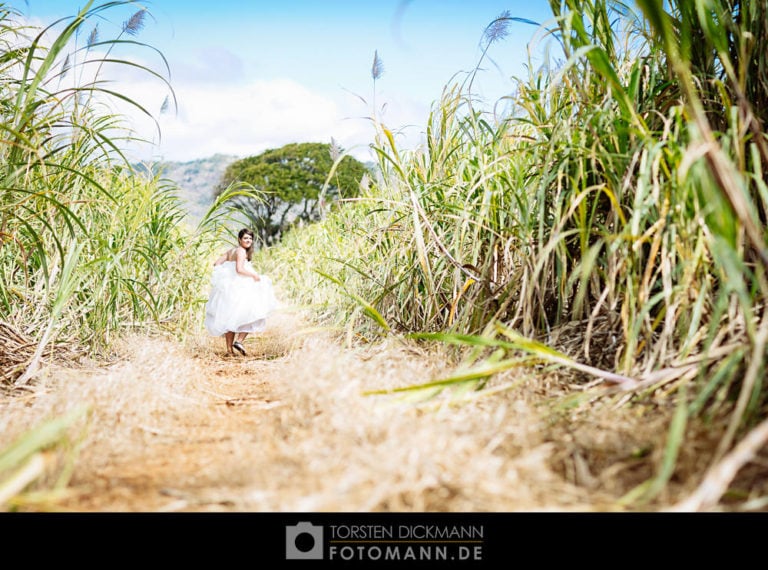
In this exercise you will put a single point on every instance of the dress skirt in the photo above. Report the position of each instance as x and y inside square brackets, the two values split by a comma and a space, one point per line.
[237, 303]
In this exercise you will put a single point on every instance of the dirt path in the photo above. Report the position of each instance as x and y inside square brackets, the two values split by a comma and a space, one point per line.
[287, 428]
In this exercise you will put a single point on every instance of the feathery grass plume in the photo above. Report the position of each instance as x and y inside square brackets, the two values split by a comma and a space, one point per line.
[365, 182]
[166, 105]
[377, 69]
[135, 23]
[335, 149]
[93, 37]
[498, 29]
[65, 67]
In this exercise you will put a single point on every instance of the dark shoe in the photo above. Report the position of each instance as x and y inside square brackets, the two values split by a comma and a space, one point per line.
[238, 347]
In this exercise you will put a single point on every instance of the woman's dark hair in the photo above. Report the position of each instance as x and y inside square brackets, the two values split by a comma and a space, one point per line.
[247, 232]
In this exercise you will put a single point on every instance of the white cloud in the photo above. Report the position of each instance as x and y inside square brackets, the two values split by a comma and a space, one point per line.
[221, 111]
[247, 119]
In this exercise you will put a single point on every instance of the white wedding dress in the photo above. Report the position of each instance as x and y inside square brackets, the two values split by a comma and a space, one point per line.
[237, 303]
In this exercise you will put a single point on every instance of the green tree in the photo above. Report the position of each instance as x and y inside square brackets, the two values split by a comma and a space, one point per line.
[291, 179]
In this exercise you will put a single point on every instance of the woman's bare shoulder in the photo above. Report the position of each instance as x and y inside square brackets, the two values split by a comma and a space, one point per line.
[231, 254]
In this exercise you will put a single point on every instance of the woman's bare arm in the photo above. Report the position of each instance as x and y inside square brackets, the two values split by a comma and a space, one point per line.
[241, 267]
[222, 258]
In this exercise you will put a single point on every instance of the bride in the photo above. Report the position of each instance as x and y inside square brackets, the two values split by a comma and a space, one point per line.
[240, 298]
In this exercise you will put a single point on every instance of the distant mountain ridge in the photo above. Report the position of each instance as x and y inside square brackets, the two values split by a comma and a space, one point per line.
[196, 180]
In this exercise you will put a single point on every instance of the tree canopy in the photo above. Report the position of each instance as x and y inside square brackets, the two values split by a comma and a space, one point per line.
[291, 179]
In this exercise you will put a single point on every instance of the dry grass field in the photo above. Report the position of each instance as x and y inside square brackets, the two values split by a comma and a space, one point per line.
[178, 427]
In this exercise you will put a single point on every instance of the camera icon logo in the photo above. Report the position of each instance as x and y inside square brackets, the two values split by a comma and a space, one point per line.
[303, 541]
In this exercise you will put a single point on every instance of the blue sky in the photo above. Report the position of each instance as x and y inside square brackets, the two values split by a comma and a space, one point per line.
[253, 75]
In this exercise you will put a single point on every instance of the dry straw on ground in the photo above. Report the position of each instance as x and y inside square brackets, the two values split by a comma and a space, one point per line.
[17, 353]
[288, 428]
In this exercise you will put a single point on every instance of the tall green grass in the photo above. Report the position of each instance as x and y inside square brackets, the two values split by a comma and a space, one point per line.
[623, 199]
[89, 249]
